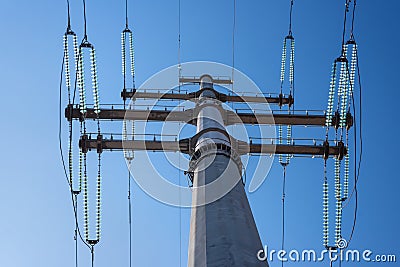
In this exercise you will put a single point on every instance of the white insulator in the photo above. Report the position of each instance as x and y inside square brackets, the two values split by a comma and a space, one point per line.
[132, 55]
[128, 153]
[81, 173]
[81, 82]
[353, 67]
[344, 101]
[331, 97]
[133, 138]
[94, 81]
[338, 230]
[346, 175]
[66, 63]
[325, 213]
[123, 53]
[76, 51]
[291, 74]
[338, 196]
[288, 141]
[283, 62]
[86, 202]
[280, 142]
[98, 207]
[70, 163]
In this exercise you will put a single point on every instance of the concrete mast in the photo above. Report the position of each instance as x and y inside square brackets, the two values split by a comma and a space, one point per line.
[222, 232]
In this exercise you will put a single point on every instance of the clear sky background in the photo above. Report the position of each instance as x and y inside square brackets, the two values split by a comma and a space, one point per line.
[36, 225]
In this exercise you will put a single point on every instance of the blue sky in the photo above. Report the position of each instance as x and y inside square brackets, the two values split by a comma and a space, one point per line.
[36, 226]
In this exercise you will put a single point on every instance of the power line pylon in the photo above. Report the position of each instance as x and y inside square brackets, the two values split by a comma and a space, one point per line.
[221, 231]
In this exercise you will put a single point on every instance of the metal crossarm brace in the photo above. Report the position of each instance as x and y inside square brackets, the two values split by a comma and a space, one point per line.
[281, 100]
[190, 117]
[184, 146]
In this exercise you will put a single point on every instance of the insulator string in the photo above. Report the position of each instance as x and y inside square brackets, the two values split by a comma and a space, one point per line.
[288, 141]
[132, 56]
[291, 66]
[331, 98]
[280, 142]
[283, 64]
[346, 175]
[85, 199]
[98, 206]
[338, 196]
[325, 199]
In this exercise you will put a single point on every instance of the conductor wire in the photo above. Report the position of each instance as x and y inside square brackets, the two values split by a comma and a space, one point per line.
[283, 207]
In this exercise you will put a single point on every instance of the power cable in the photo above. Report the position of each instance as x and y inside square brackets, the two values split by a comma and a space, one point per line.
[130, 214]
[344, 24]
[84, 21]
[179, 128]
[283, 207]
[126, 13]
[352, 19]
[290, 17]
[127, 34]
[233, 41]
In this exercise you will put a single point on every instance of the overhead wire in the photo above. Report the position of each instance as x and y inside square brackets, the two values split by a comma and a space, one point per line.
[283, 208]
[179, 128]
[285, 162]
[127, 36]
[233, 42]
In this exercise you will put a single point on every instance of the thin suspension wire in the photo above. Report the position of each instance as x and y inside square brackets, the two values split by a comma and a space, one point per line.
[233, 42]
[344, 24]
[179, 40]
[69, 17]
[130, 213]
[129, 155]
[126, 13]
[352, 20]
[84, 21]
[283, 207]
[179, 127]
[75, 235]
[290, 17]
[92, 254]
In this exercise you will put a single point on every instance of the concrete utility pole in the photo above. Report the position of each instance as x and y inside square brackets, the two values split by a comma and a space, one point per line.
[223, 232]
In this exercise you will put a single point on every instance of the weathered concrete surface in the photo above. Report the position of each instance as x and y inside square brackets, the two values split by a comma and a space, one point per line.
[222, 233]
